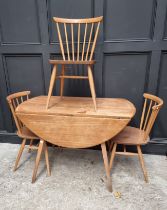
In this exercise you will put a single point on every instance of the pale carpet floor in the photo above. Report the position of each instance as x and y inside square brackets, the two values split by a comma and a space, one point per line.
[77, 182]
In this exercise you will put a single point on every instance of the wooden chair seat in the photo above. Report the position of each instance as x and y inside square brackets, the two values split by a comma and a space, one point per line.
[26, 133]
[130, 136]
[88, 62]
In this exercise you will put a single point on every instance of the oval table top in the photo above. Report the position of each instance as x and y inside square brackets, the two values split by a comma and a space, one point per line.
[72, 121]
[106, 107]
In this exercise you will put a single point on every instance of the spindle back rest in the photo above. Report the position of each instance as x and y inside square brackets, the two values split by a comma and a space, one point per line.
[152, 105]
[14, 100]
[80, 52]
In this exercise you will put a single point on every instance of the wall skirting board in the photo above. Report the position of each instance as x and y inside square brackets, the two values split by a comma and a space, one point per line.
[158, 147]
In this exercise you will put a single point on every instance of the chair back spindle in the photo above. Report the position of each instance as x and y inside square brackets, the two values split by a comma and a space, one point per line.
[151, 108]
[82, 48]
[15, 100]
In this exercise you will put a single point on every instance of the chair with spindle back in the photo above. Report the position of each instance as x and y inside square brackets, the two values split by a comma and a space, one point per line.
[22, 131]
[138, 136]
[81, 50]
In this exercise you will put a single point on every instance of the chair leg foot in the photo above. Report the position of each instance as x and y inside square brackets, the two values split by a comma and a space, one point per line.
[19, 154]
[106, 165]
[40, 148]
[141, 159]
[109, 185]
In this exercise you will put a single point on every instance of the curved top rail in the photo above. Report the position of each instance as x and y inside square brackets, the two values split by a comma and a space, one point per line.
[158, 100]
[84, 20]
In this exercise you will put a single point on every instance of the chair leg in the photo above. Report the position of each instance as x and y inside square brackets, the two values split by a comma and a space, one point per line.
[40, 148]
[52, 81]
[47, 159]
[31, 142]
[62, 82]
[113, 155]
[19, 153]
[106, 165]
[142, 162]
[92, 87]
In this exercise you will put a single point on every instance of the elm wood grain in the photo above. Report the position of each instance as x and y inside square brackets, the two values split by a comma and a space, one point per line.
[79, 106]
[63, 124]
[73, 131]
[14, 100]
[83, 55]
[139, 136]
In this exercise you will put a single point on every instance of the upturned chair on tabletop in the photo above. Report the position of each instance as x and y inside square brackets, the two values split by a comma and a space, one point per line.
[23, 132]
[138, 136]
[82, 50]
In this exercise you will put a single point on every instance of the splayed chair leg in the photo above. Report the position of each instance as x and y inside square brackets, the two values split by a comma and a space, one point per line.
[106, 165]
[142, 163]
[40, 148]
[92, 87]
[19, 154]
[52, 81]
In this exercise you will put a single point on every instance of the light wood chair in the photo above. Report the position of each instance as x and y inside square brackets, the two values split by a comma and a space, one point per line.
[138, 136]
[82, 49]
[24, 133]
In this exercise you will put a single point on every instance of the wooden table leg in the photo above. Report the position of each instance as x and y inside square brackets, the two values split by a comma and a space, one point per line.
[106, 165]
[40, 148]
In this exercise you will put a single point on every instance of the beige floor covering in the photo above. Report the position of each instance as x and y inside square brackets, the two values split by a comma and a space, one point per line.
[77, 182]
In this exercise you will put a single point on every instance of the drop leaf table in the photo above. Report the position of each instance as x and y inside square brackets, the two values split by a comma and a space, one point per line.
[71, 122]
